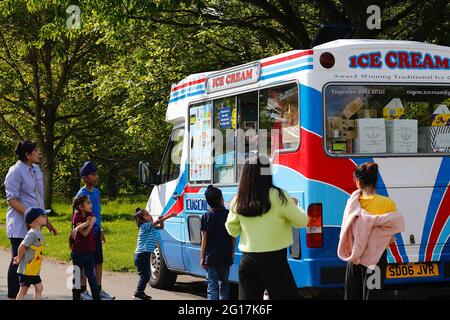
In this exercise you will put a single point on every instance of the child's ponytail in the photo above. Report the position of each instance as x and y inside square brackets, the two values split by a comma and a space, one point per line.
[139, 216]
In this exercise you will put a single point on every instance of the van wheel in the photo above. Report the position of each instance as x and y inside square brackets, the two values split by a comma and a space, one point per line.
[160, 276]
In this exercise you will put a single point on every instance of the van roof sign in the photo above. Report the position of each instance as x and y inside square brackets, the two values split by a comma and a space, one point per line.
[234, 77]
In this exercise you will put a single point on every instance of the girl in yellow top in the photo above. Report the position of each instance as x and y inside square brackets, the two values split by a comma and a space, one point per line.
[357, 277]
[263, 216]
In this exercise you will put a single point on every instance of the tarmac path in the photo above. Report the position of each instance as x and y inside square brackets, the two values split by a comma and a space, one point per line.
[55, 276]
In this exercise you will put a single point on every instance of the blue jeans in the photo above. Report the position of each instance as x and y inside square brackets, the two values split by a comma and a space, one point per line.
[86, 261]
[218, 283]
[142, 263]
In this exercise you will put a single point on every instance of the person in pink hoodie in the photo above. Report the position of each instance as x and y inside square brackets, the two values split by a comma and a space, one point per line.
[369, 224]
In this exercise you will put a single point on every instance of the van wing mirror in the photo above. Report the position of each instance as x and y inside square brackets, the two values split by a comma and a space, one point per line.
[145, 175]
[144, 172]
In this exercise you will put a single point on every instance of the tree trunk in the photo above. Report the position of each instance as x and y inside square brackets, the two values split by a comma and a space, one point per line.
[111, 182]
[73, 184]
[48, 162]
[48, 168]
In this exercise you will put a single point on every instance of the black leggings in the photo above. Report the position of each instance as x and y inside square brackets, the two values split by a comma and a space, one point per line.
[266, 270]
[361, 284]
[13, 277]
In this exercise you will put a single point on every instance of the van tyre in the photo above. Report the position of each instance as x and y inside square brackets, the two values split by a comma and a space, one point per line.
[160, 276]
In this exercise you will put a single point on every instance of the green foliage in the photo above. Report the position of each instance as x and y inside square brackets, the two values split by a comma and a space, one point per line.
[76, 92]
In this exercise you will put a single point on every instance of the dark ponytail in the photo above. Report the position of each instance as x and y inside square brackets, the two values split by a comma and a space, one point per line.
[254, 187]
[24, 147]
[367, 174]
[139, 216]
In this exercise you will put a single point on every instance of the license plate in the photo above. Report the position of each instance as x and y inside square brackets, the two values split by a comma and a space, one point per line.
[412, 270]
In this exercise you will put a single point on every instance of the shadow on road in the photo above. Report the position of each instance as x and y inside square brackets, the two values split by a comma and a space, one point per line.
[199, 288]
[196, 287]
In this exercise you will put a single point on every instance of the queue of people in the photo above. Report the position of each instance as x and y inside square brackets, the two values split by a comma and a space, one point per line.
[25, 197]
[261, 214]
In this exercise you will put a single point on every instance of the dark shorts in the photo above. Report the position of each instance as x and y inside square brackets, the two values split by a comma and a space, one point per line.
[27, 281]
[98, 248]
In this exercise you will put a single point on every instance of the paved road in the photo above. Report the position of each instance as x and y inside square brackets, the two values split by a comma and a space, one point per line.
[56, 274]
[122, 285]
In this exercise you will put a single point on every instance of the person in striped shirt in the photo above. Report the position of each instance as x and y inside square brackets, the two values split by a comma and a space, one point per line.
[146, 243]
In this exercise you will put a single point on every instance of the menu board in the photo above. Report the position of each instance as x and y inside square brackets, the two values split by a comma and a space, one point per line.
[200, 142]
[225, 117]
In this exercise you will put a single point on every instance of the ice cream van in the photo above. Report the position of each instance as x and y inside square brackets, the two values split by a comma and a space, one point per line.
[318, 114]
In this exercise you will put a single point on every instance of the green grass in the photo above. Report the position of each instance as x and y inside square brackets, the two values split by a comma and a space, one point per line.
[120, 231]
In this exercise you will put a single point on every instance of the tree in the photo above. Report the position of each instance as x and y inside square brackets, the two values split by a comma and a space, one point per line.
[45, 75]
[293, 23]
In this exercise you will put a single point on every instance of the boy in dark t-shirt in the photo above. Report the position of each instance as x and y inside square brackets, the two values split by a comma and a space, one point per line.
[217, 253]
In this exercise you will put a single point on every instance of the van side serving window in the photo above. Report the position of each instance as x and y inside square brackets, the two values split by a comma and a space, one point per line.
[279, 118]
[225, 125]
[387, 119]
[224, 132]
[200, 143]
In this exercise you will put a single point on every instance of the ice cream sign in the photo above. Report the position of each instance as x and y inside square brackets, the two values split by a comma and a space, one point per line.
[399, 60]
[232, 78]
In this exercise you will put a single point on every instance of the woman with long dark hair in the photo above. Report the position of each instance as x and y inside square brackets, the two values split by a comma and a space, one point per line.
[24, 189]
[263, 216]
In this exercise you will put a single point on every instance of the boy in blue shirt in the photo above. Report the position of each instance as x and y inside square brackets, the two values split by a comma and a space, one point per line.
[89, 175]
[217, 253]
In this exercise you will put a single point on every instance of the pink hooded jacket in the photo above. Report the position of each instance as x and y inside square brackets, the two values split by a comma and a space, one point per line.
[364, 236]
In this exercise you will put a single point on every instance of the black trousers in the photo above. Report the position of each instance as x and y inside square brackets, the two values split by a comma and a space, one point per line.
[361, 283]
[142, 263]
[13, 277]
[266, 270]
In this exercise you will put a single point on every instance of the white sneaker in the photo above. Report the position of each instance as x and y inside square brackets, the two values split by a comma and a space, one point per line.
[105, 296]
[86, 296]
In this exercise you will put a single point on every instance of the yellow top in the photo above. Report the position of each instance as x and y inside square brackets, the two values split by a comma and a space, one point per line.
[270, 232]
[33, 267]
[377, 204]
